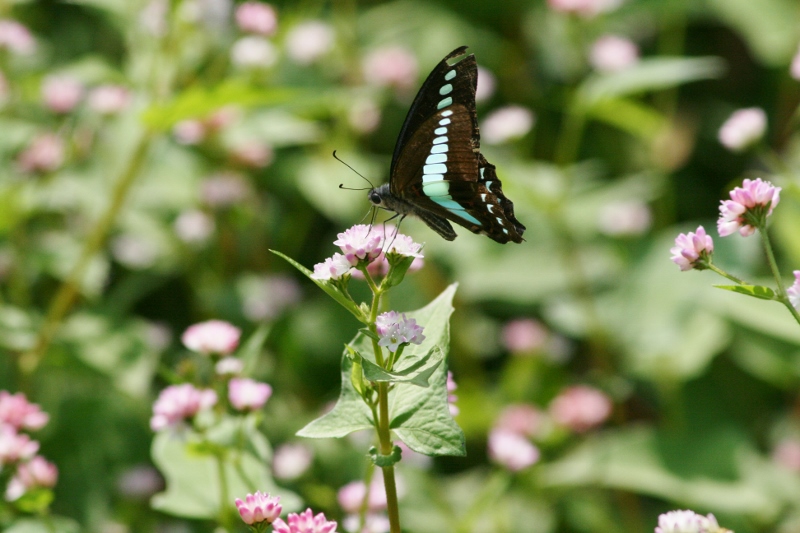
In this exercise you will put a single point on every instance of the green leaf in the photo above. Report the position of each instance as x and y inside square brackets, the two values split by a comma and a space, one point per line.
[416, 371]
[419, 416]
[193, 483]
[649, 75]
[50, 524]
[199, 102]
[251, 349]
[756, 291]
[629, 115]
[326, 286]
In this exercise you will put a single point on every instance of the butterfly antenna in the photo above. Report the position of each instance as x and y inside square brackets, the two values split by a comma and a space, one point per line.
[341, 185]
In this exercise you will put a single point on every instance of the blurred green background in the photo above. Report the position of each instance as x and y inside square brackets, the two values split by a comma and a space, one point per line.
[160, 214]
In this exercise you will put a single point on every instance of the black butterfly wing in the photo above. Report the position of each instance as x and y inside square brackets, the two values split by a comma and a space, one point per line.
[437, 165]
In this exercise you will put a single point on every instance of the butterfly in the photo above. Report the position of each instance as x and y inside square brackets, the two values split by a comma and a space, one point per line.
[438, 173]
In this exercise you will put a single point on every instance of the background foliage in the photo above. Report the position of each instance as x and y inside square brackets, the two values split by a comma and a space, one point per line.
[97, 282]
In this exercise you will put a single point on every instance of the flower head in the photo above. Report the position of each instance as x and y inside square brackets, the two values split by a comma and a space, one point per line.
[16, 37]
[580, 408]
[259, 507]
[743, 128]
[229, 366]
[692, 250]
[687, 522]
[522, 419]
[61, 93]
[45, 153]
[452, 398]
[748, 207]
[524, 335]
[391, 66]
[506, 124]
[290, 461]
[36, 473]
[360, 243]
[333, 268]
[256, 17]
[15, 446]
[304, 522]
[395, 329]
[109, 99]
[17, 412]
[248, 395]
[309, 40]
[511, 450]
[404, 245]
[211, 337]
[612, 53]
[253, 51]
[178, 403]
[794, 291]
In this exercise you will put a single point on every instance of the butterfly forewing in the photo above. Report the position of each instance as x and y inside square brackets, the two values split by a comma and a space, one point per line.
[437, 166]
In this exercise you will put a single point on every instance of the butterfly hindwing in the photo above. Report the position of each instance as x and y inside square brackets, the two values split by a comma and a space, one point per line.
[438, 172]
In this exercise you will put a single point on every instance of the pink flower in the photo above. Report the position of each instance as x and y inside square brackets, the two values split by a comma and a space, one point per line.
[194, 226]
[691, 248]
[256, 17]
[451, 398]
[109, 99]
[360, 243]
[794, 70]
[511, 450]
[45, 153]
[507, 123]
[787, 454]
[259, 507]
[229, 366]
[793, 292]
[61, 94]
[309, 41]
[178, 403]
[16, 37]
[624, 218]
[524, 335]
[743, 128]
[253, 154]
[404, 245]
[351, 496]
[748, 207]
[304, 522]
[584, 8]
[17, 412]
[189, 131]
[580, 408]
[224, 189]
[612, 53]
[248, 395]
[15, 446]
[486, 84]
[253, 52]
[364, 116]
[522, 419]
[395, 329]
[392, 66]
[333, 268]
[211, 337]
[687, 522]
[291, 461]
[36, 473]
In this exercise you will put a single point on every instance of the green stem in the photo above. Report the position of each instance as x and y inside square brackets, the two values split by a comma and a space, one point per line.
[773, 265]
[68, 291]
[224, 504]
[570, 137]
[724, 274]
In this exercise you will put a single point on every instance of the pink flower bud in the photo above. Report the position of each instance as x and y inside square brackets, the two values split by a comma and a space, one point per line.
[211, 337]
[259, 507]
[248, 395]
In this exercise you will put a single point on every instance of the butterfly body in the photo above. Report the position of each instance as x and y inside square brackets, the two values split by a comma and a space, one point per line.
[438, 173]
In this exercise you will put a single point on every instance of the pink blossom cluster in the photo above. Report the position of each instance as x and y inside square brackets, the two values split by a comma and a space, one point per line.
[580, 408]
[18, 451]
[743, 128]
[178, 404]
[613, 53]
[360, 243]
[355, 494]
[215, 337]
[508, 442]
[691, 247]
[584, 8]
[291, 461]
[391, 66]
[395, 329]
[748, 207]
[259, 507]
[305, 522]
[687, 522]
[246, 394]
[794, 291]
